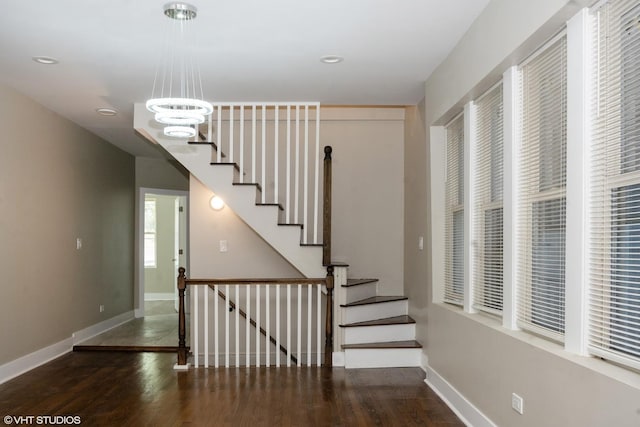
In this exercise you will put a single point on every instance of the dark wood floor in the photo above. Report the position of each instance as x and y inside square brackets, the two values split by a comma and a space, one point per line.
[141, 389]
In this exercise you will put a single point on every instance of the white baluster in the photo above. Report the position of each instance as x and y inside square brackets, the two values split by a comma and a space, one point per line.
[319, 325]
[309, 325]
[247, 335]
[194, 336]
[277, 326]
[231, 126]
[216, 352]
[253, 143]
[299, 341]
[288, 325]
[241, 143]
[317, 178]
[264, 154]
[287, 209]
[267, 328]
[218, 133]
[305, 202]
[258, 325]
[206, 325]
[226, 326]
[237, 310]
[275, 157]
[296, 195]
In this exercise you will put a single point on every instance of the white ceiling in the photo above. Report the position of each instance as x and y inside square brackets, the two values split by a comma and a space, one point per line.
[253, 50]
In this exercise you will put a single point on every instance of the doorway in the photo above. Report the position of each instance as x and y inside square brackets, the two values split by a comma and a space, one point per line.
[162, 249]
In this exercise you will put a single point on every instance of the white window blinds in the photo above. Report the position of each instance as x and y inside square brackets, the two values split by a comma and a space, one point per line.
[488, 212]
[614, 298]
[541, 208]
[454, 216]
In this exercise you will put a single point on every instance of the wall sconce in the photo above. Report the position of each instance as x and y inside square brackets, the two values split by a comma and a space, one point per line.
[216, 203]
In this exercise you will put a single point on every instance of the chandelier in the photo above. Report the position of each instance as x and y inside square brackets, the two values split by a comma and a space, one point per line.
[177, 97]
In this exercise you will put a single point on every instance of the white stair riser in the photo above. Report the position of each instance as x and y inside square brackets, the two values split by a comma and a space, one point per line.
[361, 313]
[380, 333]
[360, 292]
[382, 358]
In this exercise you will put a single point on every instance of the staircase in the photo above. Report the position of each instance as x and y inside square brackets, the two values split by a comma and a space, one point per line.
[371, 330]
[377, 331]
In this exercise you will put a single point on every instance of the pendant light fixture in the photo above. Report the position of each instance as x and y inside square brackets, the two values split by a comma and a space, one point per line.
[178, 100]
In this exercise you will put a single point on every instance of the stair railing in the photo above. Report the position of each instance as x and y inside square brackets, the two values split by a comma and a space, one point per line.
[221, 337]
[277, 146]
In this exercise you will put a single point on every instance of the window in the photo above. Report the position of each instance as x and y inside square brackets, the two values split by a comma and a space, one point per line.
[488, 203]
[454, 199]
[150, 233]
[614, 305]
[541, 206]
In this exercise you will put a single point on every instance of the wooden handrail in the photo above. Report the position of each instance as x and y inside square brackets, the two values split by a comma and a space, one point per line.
[183, 282]
[326, 208]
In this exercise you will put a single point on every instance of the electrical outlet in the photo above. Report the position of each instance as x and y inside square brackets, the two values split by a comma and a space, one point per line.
[420, 243]
[517, 403]
[101, 308]
[78, 243]
[223, 246]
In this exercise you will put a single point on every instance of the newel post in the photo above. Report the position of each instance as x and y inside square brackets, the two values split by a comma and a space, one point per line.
[328, 345]
[326, 206]
[182, 345]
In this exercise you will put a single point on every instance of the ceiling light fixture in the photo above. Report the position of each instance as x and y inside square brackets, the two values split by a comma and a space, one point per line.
[45, 60]
[106, 111]
[331, 59]
[177, 96]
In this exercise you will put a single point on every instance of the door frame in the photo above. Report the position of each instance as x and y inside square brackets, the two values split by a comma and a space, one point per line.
[139, 262]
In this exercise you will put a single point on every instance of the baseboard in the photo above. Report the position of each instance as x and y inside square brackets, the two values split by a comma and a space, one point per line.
[465, 410]
[39, 357]
[26, 363]
[159, 296]
[101, 327]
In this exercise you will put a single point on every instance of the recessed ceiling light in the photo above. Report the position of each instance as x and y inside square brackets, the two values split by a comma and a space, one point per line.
[46, 60]
[331, 59]
[106, 111]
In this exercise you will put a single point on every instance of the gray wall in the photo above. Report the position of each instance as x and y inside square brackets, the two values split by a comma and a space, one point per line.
[59, 182]
[479, 358]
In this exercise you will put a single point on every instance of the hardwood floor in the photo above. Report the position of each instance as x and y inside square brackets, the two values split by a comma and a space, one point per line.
[141, 389]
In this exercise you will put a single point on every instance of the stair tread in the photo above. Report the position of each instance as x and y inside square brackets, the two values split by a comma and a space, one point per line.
[258, 186]
[271, 204]
[374, 300]
[312, 244]
[293, 225]
[396, 320]
[235, 165]
[384, 345]
[356, 282]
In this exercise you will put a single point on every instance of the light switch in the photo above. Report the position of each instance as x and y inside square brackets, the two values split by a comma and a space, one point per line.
[420, 243]
[223, 246]
[78, 243]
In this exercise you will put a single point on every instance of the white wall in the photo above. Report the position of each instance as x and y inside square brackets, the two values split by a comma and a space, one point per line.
[484, 362]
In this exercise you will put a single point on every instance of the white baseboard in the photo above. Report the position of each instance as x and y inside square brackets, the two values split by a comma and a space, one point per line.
[159, 296]
[32, 360]
[101, 327]
[338, 359]
[39, 357]
[465, 410]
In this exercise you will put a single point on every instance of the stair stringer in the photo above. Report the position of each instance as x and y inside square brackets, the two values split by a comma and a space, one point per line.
[240, 198]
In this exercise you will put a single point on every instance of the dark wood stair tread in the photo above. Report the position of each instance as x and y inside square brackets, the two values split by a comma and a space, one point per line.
[384, 345]
[396, 320]
[271, 204]
[312, 244]
[203, 142]
[235, 165]
[249, 183]
[374, 300]
[356, 282]
[291, 225]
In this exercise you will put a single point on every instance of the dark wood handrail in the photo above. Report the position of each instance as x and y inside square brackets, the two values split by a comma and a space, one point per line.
[326, 208]
[183, 282]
